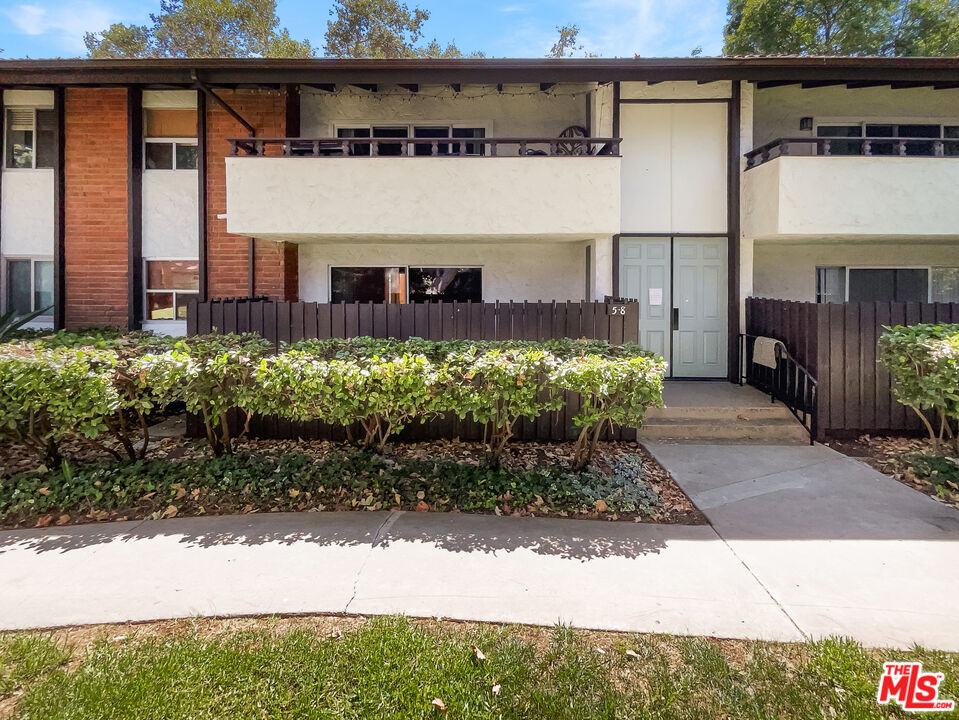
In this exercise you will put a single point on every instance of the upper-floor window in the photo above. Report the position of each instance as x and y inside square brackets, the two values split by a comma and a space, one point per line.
[31, 138]
[169, 139]
[922, 132]
[427, 133]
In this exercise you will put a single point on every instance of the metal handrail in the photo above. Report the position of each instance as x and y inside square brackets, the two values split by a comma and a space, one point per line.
[823, 147]
[345, 147]
[789, 382]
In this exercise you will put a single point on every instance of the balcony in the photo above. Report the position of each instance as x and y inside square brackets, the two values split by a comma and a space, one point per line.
[544, 189]
[801, 189]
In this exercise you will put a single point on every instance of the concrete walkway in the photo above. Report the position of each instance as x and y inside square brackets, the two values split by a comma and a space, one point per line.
[872, 559]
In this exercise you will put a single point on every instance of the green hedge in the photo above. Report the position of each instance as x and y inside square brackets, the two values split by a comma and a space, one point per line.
[924, 363]
[52, 389]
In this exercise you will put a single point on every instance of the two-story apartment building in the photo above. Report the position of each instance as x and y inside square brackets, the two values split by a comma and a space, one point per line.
[129, 187]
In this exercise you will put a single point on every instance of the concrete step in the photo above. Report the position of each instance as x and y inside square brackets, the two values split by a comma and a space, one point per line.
[714, 412]
[737, 428]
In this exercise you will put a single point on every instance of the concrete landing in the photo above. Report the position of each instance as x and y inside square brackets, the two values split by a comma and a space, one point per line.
[720, 412]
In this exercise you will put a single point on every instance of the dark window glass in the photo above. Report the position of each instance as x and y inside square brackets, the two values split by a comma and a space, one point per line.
[19, 140]
[830, 284]
[436, 284]
[952, 132]
[160, 306]
[159, 156]
[43, 286]
[186, 157]
[431, 132]
[386, 148]
[368, 284]
[356, 148]
[18, 286]
[888, 285]
[469, 148]
[46, 138]
[881, 131]
[840, 147]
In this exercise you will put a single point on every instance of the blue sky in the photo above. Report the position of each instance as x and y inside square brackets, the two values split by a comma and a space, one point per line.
[501, 28]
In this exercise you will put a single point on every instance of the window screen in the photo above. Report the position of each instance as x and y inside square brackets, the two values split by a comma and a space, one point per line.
[19, 138]
[945, 284]
[830, 284]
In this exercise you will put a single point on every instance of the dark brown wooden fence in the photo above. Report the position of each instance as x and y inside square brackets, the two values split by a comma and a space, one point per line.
[836, 342]
[281, 322]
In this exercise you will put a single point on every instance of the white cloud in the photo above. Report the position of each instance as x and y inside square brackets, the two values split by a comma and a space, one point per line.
[653, 28]
[64, 22]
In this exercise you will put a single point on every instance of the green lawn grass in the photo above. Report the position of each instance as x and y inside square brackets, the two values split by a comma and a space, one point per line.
[395, 668]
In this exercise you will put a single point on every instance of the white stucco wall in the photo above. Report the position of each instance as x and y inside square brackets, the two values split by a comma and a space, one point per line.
[299, 198]
[26, 212]
[511, 271]
[674, 167]
[170, 227]
[787, 270]
[674, 90]
[746, 129]
[778, 110]
[817, 197]
[519, 110]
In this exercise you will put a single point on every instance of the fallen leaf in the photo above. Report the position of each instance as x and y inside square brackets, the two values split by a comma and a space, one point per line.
[44, 521]
[601, 506]
[180, 493]
[171, 511]
[420, 495]
[478, 653]
[148, 495]
[439, 705]
[632, 653]
[63, 519]
[43, 491]
[422, 506]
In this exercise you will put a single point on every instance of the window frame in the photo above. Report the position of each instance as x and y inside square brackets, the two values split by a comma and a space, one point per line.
[45, 320]
[406, 267]
[6, 128]
[927, 268]
[410, 129]
[171, 141]
[147, 291]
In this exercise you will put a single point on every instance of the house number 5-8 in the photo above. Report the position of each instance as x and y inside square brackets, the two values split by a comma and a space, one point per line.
[618, 310]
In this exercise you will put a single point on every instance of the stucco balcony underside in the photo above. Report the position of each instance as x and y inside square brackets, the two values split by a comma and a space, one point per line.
[298, 199]
[852, 197]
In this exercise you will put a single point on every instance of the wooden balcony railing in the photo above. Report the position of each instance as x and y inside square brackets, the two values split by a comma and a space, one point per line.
[437, 147]
[869, 146]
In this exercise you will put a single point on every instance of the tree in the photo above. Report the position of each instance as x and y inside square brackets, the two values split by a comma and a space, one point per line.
[201, 28]
[566, 44]
[381, 29]
[843, 27]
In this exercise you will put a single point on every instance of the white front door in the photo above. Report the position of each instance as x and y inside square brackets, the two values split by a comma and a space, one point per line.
[680, 284]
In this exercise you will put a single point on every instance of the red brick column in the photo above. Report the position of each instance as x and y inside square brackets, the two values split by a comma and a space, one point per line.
[227, 254]
[95, 230]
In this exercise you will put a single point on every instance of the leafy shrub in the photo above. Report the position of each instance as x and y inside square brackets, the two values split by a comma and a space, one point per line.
[924, 363]
[613, 391]
[211, 375]
[49, 394]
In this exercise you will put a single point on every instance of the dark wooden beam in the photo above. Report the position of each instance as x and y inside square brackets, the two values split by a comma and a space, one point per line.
[201, 175]
[857, 85]
[543, 87]
[616, 105]
[208, 91]
[812, 84]
[412, 87]
[773, 83]
[292, 95]
[733, 178]
[134, 208]
[59, 215]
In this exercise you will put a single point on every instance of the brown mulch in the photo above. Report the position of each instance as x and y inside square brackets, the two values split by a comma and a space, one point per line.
[675, 508]
[888, 455]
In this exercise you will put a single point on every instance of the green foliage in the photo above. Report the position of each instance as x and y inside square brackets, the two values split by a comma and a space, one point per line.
[567, 44]
[940, 471]
[26, 657]
[211, 375]
[924, 363]
[843, 27]
[614, 391]
[10, 322]
[381, 29]
[201, 28]
[342, 480]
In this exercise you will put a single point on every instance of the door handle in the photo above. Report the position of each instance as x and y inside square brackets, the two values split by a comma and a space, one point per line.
[674, 325]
